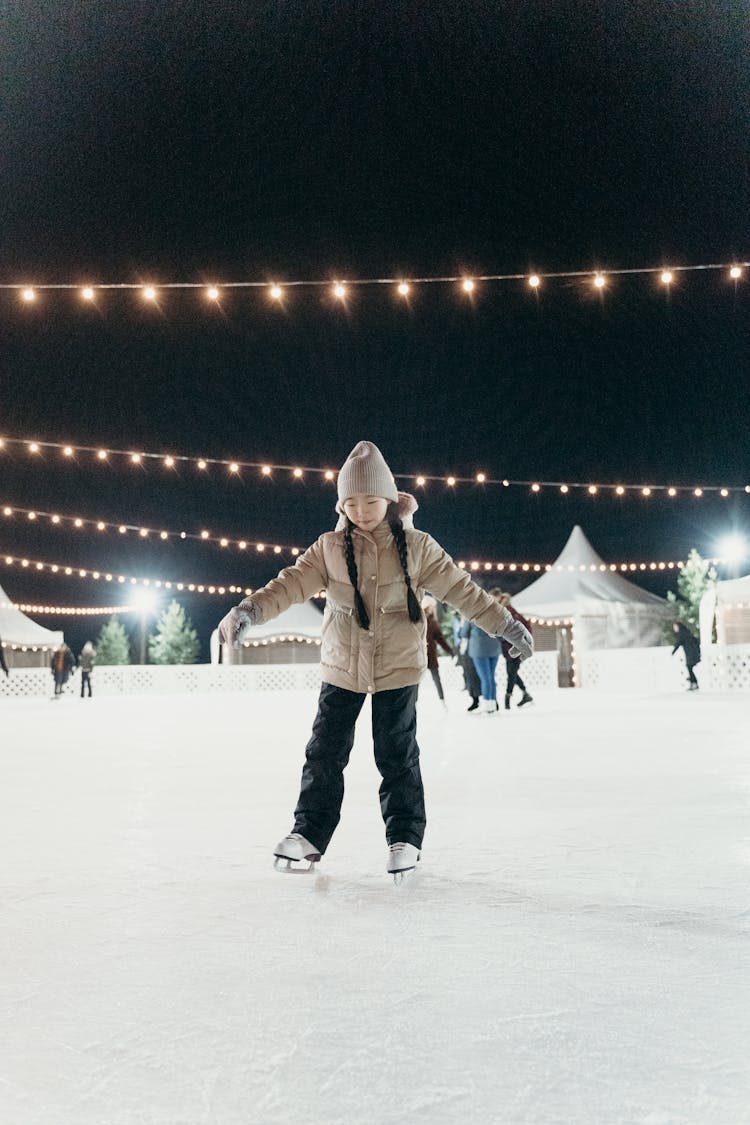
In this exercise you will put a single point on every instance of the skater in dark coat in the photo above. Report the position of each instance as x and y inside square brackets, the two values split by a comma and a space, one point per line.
[376, 569]
[512, 665]
[86, 663]
[434, 638]
[685, 640]
[62, 663]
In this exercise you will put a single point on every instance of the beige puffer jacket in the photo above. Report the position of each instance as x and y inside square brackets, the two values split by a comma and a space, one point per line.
[392, 653]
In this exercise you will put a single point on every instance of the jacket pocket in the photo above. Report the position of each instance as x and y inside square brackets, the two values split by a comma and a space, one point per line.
[336, 639]
[400, 643]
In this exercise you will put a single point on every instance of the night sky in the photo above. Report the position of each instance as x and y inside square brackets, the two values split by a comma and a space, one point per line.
[305, 140]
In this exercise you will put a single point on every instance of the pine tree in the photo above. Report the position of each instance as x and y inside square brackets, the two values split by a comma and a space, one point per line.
[696, 576]
[175, 640]
[112, 646]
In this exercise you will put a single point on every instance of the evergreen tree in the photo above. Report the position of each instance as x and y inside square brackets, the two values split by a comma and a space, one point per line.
[175, 640]
[696, 576]
[112, 646]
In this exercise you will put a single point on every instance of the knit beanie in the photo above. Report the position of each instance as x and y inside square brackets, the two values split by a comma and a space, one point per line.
[366, 472]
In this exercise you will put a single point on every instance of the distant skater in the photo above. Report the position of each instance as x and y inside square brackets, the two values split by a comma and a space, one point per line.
[685, 640]
[512, 664]
[86, 663]
[434, 638]
[3, 665]
[62, 663]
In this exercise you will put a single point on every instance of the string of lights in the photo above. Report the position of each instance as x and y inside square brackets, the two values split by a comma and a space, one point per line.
[85, 524]
[340, 289]
[34, 515]
[69, 571]
[69, 610]
[82, 454]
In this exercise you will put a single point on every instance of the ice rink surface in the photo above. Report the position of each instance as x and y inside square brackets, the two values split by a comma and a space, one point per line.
[574, 950]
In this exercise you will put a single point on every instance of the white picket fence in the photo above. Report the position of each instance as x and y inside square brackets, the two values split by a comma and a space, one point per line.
[654, 670]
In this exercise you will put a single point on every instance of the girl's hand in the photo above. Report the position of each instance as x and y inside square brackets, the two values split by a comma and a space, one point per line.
[233, 628]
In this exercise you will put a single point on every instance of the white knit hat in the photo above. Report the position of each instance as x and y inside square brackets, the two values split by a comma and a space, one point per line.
[366, 472]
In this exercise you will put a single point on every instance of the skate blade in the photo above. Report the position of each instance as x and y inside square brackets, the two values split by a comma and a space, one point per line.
[289, 866]
[401, 877]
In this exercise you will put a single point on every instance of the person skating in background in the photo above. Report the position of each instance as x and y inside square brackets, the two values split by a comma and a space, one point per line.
[685, 640]
[376, 568]
[471, 677]
[511, 663]
[3, 665]
[434, 638]
[484, 651]
[86, 663]
[62, 663]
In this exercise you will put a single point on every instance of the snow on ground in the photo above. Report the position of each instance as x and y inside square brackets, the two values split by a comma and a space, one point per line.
[574, 949]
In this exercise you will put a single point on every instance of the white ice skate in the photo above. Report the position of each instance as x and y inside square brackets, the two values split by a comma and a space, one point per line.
[402, 861]
[293, 852]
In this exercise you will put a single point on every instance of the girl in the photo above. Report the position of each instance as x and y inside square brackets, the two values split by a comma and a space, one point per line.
[375, 568]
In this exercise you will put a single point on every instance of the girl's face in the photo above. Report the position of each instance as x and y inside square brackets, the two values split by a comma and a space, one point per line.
[366, 512]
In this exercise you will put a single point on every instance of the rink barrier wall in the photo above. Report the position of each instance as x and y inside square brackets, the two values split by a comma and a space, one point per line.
[650, 670]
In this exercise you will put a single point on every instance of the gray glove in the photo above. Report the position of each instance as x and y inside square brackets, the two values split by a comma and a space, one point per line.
[521, 640]
[233, 628]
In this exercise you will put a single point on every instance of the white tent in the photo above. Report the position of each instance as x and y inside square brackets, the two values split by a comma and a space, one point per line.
[604, 609]
[293, 636]
[726, 607]
[22, 637]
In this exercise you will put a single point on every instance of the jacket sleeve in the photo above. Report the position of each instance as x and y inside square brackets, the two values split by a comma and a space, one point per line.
[291, 586]
[449, 583]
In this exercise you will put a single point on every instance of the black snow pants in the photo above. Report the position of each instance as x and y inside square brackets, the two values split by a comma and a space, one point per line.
[394, 729]
[512, 664]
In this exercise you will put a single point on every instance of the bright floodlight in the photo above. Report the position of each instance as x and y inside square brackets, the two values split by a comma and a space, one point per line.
[733, 548]
[143, 601]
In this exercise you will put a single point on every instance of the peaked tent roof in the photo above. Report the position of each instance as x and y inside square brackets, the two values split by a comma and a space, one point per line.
[733, 591]
[18, 629]
[576, 581]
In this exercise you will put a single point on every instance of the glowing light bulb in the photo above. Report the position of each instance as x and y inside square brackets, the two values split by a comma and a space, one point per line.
[260, 547]
[592, 490]
[234, 467]
[7, 511]
[87, 293]
[276, 292]
[202, 464]
[564, 488]
[102, 454]
[671, 492]
[667, 277]
[135, 458]
[646, 491]
[55, 519]
[421, 481]
[620, 490]
[329, 474]
[535, 487]
[481, 478]
[205, 535]
[78, 522]
[697, 492]
[28, 294]
[122, 529]
[735, 273]
[32, 515]
[467, 285]
[163, 535]
[534, 281]
[339, 290]
[242, 544]
[101, 526]
[169, 462]
[149, 293]
[600, 281]
[404, 289]
[212, 293]
[33, 447]
[451, 481]
[266, 470]
[223, 542]
[724, 492]
[68, 451]
[297, 473]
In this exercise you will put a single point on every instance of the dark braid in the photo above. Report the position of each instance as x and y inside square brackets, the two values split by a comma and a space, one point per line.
[351, 566]
[415, 613]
